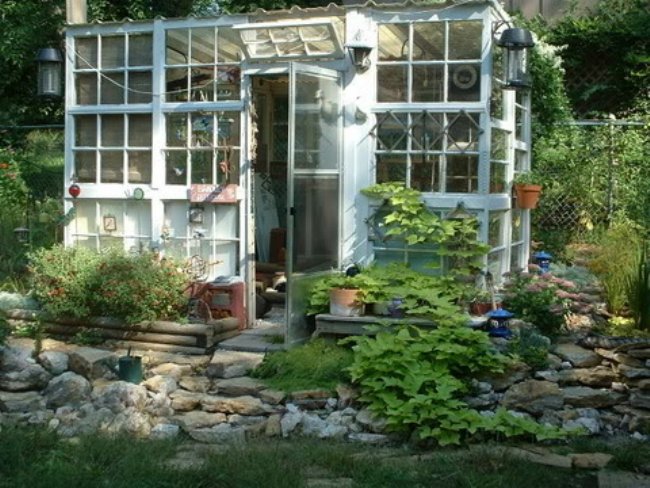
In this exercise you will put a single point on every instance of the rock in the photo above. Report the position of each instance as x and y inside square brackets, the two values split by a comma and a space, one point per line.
[483, 401]
[346, 395]
[592, 426]
[31, 377]
[218, 434]
[184, 401]
[230, 364]
[633, 373]
[619, 358]
[273, 426]
[198, 419]
[164, 431]
[289, 422]
[22, 401]
[619, 479]
[161, 384]
[198, 384]
[578, 356]
[590, 460]
[67, 389]
[92, 363]
[547, 375]
[339, 418]
[533, 396]
[244, 405]
[53, 361]
[310, 395]
[273, 397]
[369, 438]
[583, 396]
[540, 456]
[312, 424]
[643, 384]
[640, 399]
[243, 385]
[639, 353]
[515, 373]
[599, 376]
[82, 421]
[554, 361]
[370, 421]
[246, 420]
[120, 396]
[159, 405]
[131, 422]
[172, 369]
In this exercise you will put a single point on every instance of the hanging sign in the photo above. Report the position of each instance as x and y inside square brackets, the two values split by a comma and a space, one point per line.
[200, 193]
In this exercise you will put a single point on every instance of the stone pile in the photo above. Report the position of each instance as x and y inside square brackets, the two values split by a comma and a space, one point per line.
[74, 391]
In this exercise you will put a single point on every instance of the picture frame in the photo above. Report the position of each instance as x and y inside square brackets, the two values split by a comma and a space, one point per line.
[110, 223]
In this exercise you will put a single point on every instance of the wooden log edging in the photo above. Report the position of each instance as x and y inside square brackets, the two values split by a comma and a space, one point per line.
[193, 335]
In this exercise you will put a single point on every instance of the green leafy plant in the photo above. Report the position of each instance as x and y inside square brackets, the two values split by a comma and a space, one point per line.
[5, 330]
[319, 297]
[416, 379]
[317, 364]
[531, 347]
[526, 178]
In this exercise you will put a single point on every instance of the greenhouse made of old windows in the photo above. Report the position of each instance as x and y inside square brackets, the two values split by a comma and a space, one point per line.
[242, 142]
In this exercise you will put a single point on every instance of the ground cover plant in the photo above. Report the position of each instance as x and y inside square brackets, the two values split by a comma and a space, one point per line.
[78, 282]
[317, 364]
[36, 458]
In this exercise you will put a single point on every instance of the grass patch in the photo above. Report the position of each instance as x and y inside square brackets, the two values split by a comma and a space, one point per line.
[317, 364]
[35, 458]
[629, 454]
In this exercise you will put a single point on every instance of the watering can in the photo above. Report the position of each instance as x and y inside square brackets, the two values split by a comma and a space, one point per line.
[129, 368]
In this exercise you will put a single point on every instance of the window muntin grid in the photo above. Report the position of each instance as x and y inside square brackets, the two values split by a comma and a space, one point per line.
[429, 61]
[113, 69]
[202, 148]
[429, 151]
[202, 64]
[112, 148]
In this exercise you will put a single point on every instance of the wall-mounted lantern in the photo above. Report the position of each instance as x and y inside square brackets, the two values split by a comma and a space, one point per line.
[516, 42]
[50, 63]
[460, 213]
[360, 54]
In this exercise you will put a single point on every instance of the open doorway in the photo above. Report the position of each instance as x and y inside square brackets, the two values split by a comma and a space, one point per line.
[271, 140]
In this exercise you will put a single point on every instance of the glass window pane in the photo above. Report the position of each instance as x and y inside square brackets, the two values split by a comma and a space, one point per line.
[391, 167]
[85, 130]
[202, 129]
[517, 234]
[228, 129]
[515, 259]
[202, 167]
[140, 87]
[391, 83]
[86, 88]
[85, 167]
[112, 88]
[495, 264]
[393, 42]
[227, 166]
[463, 132]
[499, 145]
[228, 46]
[176, 85]
[424, 172]
[86, 52]
[495, 228]
[139, 166]
[176, 167]
[203, 46]
[392, 131]
[112, 52]
[112, 130]
[112, 166]
[465, 39]
[140, 50]
[464, 82]
[462, 174]
[429, 41]
[176, 130]
[202, 84]
[140, 130]
[177, 46]
[498, 178]
[228, 82]
[428, 83]
[427, 131]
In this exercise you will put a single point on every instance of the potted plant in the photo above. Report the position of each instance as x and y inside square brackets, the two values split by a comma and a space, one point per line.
[341, 294]
[527, 190]
[481, 301]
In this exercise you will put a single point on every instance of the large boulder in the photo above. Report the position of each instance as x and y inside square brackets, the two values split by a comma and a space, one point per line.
[54, 361]
[230, 364]
[533, 396]
[21, 401]
[120, 396]
[578, 356]
[583, 396]
[92, 363]
[243, 385]
[243, 405]
[602, 376]
[31, 377]
[67, 389]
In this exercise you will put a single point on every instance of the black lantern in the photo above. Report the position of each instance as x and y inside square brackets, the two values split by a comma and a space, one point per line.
[460, 213]
[22, 234]
[50, 63]
[516, 42]
[360, 54]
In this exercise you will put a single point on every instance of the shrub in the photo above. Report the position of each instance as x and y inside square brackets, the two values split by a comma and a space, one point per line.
[531, 347]
[79, 282]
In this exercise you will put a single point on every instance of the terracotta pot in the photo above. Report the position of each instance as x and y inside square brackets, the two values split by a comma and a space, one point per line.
[481, 308]
[527, 195]
[346, 302]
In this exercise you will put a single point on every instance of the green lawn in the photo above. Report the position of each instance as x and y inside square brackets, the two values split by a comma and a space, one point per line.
[36, 458]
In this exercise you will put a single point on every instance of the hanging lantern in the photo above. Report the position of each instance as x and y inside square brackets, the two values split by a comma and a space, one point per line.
[22, 234]
[74, 190]
[516, 42]
[50, 63]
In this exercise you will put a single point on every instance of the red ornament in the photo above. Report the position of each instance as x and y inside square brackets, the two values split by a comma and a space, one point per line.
[74, 190]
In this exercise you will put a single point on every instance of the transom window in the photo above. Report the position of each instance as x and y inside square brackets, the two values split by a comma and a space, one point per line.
[113, 69]
[202, 64]
[429, 61]
[429, 151]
